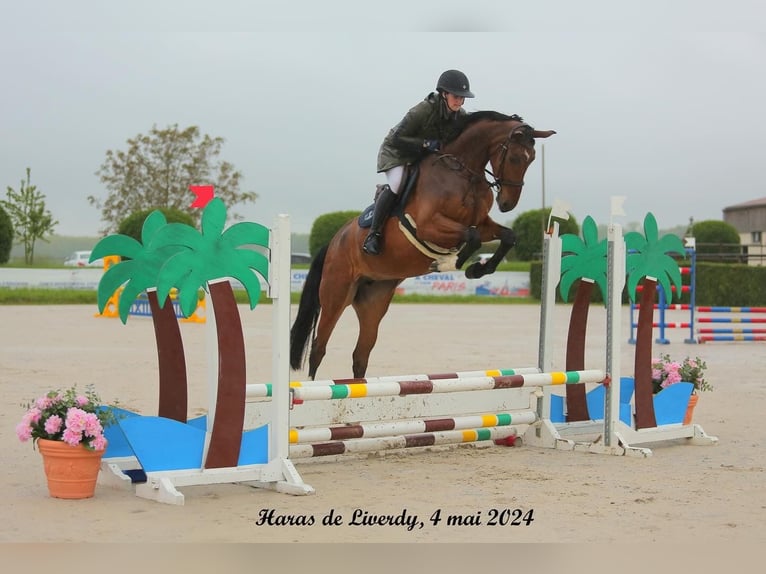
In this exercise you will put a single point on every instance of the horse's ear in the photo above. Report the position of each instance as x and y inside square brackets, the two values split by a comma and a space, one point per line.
[541, 134]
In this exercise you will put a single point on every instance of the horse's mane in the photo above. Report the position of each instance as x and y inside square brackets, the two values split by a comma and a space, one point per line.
[466, 121]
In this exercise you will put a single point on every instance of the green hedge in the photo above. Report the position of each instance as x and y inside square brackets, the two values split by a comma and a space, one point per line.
[720, 284]
[731, 285]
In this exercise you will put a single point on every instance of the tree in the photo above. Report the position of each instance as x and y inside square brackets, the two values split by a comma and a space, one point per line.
[157, 169]
[138, 272]
[529, 227]
[206, 258]
[326, 226]
[31, 221]
[715, 237]
[649, 260]
[584, 260]
[6, 236]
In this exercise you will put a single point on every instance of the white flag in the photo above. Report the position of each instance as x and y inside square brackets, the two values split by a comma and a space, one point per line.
[560, 209]
[617, 203]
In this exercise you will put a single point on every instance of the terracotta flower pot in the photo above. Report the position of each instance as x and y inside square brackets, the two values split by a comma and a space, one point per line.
[690, 409]
[71, 471]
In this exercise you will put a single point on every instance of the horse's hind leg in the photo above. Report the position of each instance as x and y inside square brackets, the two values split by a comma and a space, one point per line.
[334, 296]
[328, 318]
[371, 304]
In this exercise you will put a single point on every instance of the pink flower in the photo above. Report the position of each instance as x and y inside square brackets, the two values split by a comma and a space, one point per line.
[76, 419]
[92, 425]
[33, 415]
[65, 415]
[53, 424]
[43, 403]
[98, 443]
[23, 431]
[72, 437]
[673, 378]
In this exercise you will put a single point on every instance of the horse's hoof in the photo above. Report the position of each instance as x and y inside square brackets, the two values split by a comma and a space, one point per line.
[476, 270]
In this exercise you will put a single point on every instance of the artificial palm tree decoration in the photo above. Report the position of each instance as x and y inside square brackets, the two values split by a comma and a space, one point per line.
[649, 260]
[207, 260]
[586, 262]
[136, 273]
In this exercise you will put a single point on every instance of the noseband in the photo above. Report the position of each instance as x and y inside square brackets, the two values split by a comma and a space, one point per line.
[499, 182]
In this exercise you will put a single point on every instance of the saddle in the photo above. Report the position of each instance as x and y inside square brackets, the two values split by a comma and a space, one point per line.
[408, 184]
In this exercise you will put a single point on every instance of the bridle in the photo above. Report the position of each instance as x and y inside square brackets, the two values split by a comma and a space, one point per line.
[498, 181]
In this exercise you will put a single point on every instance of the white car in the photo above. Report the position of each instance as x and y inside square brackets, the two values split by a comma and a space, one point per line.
[80, 259]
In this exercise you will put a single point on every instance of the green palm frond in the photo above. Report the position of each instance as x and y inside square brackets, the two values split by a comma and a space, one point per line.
[110, 281]
[246, 233]
[152, 224]
[144, 261]
[181, 272]
[178, 234]
[213, 218]
[648, 256]
[587, 259]
[211, 254]
[121, 245]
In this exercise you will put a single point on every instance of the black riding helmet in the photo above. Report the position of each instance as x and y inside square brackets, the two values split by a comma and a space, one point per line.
[454, 82]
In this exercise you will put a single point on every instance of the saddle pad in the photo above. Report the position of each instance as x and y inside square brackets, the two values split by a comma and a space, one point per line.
[365, 218]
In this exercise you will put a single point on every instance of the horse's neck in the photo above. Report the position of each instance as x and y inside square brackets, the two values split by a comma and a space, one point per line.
[473, 146]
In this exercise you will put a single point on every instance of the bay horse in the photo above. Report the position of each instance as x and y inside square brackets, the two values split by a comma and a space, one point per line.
[441, 221]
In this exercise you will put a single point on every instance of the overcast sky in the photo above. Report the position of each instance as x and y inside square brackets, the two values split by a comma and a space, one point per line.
[660, 101]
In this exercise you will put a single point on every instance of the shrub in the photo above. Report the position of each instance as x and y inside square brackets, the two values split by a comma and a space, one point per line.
[326, 226]
[132, 225]
[528, 228]
[715, 237]
[6, 236]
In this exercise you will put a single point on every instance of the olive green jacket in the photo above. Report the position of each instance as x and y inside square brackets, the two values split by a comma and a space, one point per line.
[427, 120]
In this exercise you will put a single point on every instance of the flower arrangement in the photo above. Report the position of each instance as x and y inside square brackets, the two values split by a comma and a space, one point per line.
[666, 372]
[69, 416]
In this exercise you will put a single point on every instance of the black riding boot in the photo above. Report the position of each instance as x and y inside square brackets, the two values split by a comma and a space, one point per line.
[373, 242]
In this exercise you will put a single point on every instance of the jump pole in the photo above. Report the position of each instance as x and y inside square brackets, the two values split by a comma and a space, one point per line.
[375, 430]
[362, 445]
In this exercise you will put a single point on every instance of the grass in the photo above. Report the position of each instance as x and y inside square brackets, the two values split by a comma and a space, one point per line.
[39, 296]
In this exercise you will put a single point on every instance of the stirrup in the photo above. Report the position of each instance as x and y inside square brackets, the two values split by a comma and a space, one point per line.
[371, 244]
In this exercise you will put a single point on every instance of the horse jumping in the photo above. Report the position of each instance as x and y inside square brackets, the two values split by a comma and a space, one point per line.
[445, 220]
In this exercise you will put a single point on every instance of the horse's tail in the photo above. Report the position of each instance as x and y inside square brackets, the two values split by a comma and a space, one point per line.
[308, 311]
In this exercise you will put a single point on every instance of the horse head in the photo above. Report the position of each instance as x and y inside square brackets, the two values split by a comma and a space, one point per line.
[514, 154]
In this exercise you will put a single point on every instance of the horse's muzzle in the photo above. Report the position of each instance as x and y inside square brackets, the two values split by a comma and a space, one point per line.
[507, 201]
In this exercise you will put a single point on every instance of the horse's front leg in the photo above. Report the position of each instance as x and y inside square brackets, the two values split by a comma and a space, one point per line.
[449, 233]
[470, 246]
[507, 240]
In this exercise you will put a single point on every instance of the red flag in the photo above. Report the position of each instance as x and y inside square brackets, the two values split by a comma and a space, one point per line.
[204, 194]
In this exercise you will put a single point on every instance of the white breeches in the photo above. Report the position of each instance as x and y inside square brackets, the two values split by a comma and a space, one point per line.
[394, 178]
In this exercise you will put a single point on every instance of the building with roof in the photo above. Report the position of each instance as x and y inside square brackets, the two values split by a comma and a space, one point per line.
[749, 219]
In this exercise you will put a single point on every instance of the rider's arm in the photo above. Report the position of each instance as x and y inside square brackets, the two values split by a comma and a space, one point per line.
[408, 136]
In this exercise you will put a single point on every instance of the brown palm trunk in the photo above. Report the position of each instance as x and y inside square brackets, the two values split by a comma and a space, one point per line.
[171, 360]
[643, 359]
[577, 406]
[229, 418]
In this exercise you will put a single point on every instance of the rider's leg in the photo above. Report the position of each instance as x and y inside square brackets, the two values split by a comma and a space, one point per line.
[386, 200]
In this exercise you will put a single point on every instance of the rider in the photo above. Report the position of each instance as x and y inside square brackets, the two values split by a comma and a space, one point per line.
[421, 131]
